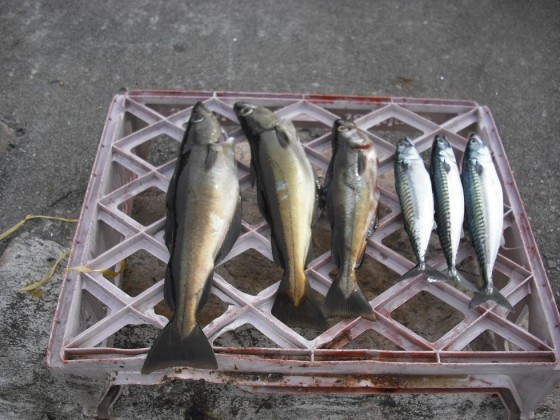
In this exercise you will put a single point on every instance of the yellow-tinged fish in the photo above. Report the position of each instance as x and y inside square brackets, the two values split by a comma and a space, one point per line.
[287, 195]
[352, 197]
[203, 222]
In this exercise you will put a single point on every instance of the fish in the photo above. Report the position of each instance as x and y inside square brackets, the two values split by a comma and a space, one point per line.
[449, 203]
[414, 189]
[484, 211]
[287, 196]
[203, 222]
[352, 198]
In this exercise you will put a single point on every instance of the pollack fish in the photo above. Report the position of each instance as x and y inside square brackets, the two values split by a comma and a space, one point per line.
[287, 198]
[484, 211]
[352, 198]
[414, 189]
[449, 203]
[203, 222]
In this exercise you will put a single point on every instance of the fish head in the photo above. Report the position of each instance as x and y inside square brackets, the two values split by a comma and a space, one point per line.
[255, 119]
[443, 149]
[406, 150]
[345, 133]
[203, 127]
[477, 150]
[343, 127]
[344, 130]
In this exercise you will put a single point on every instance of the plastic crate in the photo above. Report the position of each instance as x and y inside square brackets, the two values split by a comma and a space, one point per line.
[384, 356]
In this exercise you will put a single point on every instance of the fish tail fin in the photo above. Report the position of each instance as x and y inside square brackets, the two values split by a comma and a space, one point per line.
[484, 295]
[435, 275]
[338, 303]
[307, 313]
[432, 273]
[173, 350]
[415, 271]
[454, 274]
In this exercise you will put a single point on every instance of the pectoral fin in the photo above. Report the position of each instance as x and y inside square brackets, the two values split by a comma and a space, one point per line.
[232, 234]
[212, 156]
[479, 168]
[282, 136]
[361, 163]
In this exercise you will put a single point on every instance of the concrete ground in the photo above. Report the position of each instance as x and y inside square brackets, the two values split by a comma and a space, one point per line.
[61, 62]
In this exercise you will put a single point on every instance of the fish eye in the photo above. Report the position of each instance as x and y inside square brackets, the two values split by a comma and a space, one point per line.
[197, 119]
[342, 128]
[245, 111]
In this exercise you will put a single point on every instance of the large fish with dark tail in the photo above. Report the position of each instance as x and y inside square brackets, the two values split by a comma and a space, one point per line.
[203, 222]
[352, 197]
[484, 208]
[449, 203]
[414, 189]
[287, 197]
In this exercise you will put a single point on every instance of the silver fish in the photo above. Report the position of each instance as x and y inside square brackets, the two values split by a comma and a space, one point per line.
[352, 197]
[484, 208]
[287, 197]
[414, 189]
[449, 202]
[203, 222]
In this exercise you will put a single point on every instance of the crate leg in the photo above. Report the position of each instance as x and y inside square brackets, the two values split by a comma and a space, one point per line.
[527, 394]
[510, 403]
[86, 387]
[105, 407]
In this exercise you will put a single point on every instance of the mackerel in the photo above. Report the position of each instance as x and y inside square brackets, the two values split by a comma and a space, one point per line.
[449, 203]
[414, 189]
[484, 212]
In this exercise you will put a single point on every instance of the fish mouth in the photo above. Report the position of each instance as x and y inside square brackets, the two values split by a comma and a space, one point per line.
[442, 141]
[243, 109]
[475, 139]
[199, 113]
[405, 143]
[342, 126]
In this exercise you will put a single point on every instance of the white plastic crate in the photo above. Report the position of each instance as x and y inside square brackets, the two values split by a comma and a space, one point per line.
[351, 356]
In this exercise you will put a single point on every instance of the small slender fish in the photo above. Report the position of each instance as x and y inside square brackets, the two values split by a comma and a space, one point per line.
[484, 209]
[352, 197]
[287, 195]
[449, 203]
[203, 222]
[414, 189]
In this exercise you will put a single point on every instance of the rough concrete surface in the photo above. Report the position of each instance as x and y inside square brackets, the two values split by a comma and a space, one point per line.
[61, 62]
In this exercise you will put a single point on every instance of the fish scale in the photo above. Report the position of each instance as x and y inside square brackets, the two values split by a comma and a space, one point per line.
[410, 214]
[476, 219]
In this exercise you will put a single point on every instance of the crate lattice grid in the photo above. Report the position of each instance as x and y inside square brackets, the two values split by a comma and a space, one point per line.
[94, 310]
